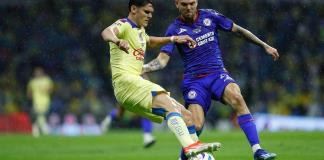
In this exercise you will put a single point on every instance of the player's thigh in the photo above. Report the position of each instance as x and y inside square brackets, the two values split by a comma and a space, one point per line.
[233, 96]
[230, 91]
[197, 94]
[136, 95]
[198, 115]
[219, 84]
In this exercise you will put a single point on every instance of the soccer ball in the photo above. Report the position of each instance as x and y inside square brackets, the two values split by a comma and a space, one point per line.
[203, 156]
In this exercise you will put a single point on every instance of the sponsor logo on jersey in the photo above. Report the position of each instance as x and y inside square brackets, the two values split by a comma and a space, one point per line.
[208, 37]
[139, 54]
[226, 77]
[192, 94]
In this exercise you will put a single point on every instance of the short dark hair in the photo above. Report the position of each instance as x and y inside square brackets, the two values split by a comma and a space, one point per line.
[138, 3]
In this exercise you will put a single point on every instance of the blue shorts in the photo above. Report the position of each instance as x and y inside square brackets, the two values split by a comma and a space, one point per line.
[201, 89]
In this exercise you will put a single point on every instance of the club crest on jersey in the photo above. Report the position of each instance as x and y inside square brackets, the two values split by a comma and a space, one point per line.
[192, 94]
[207, 22]
[182, 30]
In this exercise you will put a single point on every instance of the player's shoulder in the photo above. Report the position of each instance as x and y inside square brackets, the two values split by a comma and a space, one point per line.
[173, 25]
[122, 21]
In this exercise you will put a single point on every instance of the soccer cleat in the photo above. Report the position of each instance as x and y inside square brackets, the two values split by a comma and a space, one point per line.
[262, 154]
[149, 144]
[198, 147]
[35, 131]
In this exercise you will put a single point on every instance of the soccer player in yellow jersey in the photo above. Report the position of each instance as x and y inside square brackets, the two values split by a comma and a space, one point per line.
[128, 40]
[39, 89]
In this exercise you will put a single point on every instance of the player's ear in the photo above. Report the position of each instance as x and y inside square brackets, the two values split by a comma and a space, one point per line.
[176, 2]
[133, 9]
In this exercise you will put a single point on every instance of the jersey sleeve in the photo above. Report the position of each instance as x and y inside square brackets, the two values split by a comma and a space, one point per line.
[168, 48]
[122, 26]
[222, 22]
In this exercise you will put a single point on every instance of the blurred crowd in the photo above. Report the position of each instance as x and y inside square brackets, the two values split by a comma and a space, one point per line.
[64, 38]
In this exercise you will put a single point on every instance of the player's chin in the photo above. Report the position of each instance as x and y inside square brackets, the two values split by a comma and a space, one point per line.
[145, 24]
[189, 16]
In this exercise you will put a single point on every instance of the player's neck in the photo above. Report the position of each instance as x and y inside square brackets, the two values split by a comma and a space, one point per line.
[133, 20]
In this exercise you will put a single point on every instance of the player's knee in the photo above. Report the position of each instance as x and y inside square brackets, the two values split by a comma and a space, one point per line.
[236, 99]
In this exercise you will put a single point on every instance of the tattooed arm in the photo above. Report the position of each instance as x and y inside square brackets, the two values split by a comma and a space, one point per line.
[156, 64]
[246, 34]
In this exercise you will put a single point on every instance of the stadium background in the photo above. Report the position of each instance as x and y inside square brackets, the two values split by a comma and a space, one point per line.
[64, 38]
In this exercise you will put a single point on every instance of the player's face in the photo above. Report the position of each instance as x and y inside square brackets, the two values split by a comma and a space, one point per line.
[144, 14]
[187, 8]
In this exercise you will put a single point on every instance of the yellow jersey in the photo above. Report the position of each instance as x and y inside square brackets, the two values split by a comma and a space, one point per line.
[131, 62]
[40, 88]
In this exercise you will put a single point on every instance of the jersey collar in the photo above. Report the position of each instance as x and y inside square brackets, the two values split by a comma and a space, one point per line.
[131, 23]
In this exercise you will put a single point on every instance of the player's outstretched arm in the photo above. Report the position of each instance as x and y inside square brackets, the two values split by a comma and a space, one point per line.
[109, 35]
[159, 41]
[246, 34]
[156, 64]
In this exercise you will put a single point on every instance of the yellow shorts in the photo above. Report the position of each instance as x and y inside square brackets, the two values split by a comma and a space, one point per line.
[41, 108]
[135, 94]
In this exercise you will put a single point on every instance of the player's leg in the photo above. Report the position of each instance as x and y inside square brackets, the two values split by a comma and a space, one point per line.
[199, 120]
[232, 95]
[178, 118]
[41, 121]
[41, 110]
[147, 127]
[116, 113]
[35, 126]
[198, 117]
[198, 100]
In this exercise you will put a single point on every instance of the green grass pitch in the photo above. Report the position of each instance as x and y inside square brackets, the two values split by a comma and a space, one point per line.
[127, 145]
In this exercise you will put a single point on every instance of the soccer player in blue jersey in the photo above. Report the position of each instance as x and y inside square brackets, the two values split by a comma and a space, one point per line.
[205, 77]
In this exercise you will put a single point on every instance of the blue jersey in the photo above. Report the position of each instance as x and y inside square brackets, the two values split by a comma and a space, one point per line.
[206, 57]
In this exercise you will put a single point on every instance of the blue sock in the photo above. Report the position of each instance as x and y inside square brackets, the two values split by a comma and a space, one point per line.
[246, 123]
[113, 114]
[182, 155]
[146, 125]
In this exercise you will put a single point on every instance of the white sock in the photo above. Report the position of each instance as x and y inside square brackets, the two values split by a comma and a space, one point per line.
[147, 137]
[179, 128]
[194, 137]
[256, 147]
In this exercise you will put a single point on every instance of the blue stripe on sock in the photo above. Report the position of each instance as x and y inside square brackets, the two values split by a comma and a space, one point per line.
[248, 126]
[245, 118]
[172, 114]
[154, 93]
[159, 111]
[192, 129]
